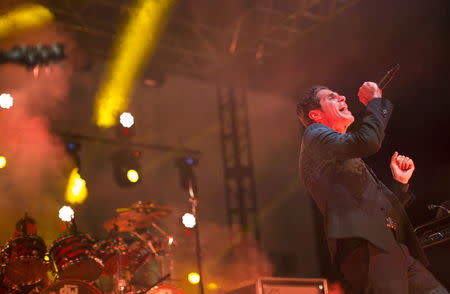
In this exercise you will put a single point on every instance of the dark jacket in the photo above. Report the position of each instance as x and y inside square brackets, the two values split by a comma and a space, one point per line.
[352, 200]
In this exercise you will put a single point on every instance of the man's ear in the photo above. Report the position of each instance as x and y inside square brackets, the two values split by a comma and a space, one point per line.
[315, 115]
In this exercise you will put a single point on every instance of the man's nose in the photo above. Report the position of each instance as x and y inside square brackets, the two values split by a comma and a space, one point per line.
[342, 98]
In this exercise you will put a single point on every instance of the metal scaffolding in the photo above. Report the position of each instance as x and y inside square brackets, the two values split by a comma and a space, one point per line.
[240, 186]
[197, 46]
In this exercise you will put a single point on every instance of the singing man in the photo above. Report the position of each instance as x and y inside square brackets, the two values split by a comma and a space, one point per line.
[369, 235]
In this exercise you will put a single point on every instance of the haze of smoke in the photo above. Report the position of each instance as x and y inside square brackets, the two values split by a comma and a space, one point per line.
[223, 264]
[35, 177]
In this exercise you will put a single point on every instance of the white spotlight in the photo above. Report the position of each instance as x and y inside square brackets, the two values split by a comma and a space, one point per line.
[126, 120]
[66, 213]
[6, 101]
[189, 220]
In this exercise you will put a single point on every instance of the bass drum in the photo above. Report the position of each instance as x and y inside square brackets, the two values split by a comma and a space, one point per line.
[70, 287]
[162, 289]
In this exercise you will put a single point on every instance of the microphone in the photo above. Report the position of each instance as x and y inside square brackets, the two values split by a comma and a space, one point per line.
[434, 206]
[387, 78]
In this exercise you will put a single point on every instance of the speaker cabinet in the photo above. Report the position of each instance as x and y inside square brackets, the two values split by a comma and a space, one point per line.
[282, 286]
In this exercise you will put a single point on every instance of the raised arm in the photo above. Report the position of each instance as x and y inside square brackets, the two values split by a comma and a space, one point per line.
[364, 141]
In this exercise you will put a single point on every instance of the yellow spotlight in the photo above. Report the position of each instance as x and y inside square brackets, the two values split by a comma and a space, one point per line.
[194, 278]
[24, 17]
[132, 175]
[136, 43]
[2, 161]
[212, 286]
[76, 191]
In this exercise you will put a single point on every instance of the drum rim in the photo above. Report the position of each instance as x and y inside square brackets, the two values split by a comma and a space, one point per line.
[8, 244]
[165, 286]
[57, 241]
[85, 257]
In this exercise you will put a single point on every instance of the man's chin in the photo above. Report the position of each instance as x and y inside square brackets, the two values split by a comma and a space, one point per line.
[350, 119]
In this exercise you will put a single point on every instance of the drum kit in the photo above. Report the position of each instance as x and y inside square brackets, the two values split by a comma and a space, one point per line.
[75, 263]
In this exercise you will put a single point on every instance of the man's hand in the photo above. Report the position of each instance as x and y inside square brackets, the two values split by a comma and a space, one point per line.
[368, 91]
[402, 168]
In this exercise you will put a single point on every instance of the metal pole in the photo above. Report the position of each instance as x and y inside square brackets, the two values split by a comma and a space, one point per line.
[198, 249]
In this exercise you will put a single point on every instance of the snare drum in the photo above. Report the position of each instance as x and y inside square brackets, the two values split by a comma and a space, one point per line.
[70, 287]
[75, 258]
[23, 261]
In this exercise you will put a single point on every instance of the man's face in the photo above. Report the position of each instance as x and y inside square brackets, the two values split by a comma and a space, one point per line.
[334, 111]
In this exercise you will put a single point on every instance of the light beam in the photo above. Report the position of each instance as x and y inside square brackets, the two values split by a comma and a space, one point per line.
[134, 46]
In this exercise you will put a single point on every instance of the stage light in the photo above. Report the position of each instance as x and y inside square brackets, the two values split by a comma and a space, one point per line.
[126, 120]
[188, 180]
[72, 149]
[76, 191]
[132, 175]
[194, 278]
[170, 240]
[2, 161]
[126, 167]
[6, 101]
[66, 213]
[189, 220]
[212, 286]
[34, 56]
[138, 39]
[24, 17]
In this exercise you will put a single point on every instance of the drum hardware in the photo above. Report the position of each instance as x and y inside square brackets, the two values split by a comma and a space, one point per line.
[131, 245]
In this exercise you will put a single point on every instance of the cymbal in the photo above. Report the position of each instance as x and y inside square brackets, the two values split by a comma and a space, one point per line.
[139, 216]
[146, 208]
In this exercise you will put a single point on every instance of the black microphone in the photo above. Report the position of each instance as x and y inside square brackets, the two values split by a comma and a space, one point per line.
[387, 78]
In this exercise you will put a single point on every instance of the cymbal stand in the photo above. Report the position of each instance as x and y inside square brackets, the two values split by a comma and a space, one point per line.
[168, 259]
[120, 279]
[147, 243]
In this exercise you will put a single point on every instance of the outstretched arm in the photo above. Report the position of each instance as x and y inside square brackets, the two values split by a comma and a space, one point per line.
[366, 139]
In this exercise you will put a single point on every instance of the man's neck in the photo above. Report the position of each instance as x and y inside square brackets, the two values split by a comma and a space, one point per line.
[338, 128]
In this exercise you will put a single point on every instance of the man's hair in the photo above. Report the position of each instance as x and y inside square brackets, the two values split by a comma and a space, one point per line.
[307, 102]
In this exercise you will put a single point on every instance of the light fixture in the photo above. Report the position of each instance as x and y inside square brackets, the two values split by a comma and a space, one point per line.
[3, 161]
[194, 278]
[126, 120]
[66, 213]
[132, 176]
[188, 220]
[126, 167]
[6, 101]
[76, 191]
